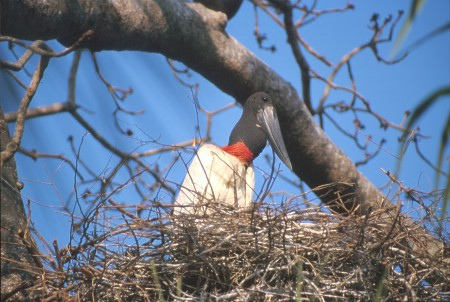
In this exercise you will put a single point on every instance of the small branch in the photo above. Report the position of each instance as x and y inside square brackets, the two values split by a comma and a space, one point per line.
[73, 77]
[116, 151]
[378, 30]
[317, 13]
[47, 51]
[210, 115]
[16, 66]
[372, 44]
[14, 144]
[15, 78]
[301, 61]
[308, 47]
[176, 71]
[118, 94]
[170, 147]
[35, 155]
[260, 38]
[40, 111]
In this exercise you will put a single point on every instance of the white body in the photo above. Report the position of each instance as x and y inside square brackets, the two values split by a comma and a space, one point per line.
[215, 176]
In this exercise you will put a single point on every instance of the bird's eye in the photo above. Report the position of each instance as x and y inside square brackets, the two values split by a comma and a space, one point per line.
[265, 99]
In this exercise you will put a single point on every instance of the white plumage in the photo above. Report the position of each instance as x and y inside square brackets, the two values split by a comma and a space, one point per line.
[215, 176]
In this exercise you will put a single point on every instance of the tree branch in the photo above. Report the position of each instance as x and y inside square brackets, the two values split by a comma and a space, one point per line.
[12, 146]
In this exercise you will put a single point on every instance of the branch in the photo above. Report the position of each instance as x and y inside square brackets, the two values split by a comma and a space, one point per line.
[40, 111]
[372, 44]
[36, 47]
[12, 146]
[16, 66]
[301, 61]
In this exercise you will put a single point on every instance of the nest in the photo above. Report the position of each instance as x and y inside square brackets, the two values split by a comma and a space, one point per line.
[269, 253]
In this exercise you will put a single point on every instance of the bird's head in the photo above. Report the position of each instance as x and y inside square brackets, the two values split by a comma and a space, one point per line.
[257, 125]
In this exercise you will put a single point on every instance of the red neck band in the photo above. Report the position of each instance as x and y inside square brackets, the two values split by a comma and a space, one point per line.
[240, 151]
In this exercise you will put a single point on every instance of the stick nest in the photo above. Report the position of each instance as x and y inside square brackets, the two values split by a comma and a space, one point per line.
[269, 253]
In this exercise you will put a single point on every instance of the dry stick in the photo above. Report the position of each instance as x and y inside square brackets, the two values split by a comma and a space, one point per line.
[14, 144]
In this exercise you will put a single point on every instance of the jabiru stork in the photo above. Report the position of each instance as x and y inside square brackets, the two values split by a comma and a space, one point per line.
[224, 175]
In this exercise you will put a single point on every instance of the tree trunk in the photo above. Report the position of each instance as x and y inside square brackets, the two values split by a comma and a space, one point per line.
[18, 266]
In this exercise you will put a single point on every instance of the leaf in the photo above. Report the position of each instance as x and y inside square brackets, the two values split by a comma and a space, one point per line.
[444, 141]
[441, 29]
[414, 10]
[425, 104]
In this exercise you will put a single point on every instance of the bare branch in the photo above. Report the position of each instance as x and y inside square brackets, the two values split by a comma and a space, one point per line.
[301, 61]
[40, 111]
[317, 13]
[372, 44]
[35, 155]
[47, 51]
[14, 144]
[16, 66]
[73, 77]
[308, 47]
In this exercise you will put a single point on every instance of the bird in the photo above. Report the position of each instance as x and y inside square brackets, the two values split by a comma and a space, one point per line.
[224, 176]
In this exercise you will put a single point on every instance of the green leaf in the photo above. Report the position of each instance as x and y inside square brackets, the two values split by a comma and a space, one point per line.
[444, 141]
[425, 104]
[414, 10]
[417, 113]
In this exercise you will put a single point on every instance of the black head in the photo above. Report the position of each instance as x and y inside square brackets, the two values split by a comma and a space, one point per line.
[259, 123]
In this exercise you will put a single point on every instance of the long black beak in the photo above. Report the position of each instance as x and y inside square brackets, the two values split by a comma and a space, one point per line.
[268, 119]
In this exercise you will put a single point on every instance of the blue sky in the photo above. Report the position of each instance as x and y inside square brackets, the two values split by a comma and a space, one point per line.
[170, 116]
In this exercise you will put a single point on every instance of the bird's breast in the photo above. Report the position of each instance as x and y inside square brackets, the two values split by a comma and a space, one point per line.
[215, 178]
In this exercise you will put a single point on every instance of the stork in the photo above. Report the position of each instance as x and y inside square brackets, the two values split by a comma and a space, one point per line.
[224, 175]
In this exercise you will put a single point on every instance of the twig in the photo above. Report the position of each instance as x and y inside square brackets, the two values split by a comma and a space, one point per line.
[16, 66]
[46, 51]
[41, 111]
[372, 44]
